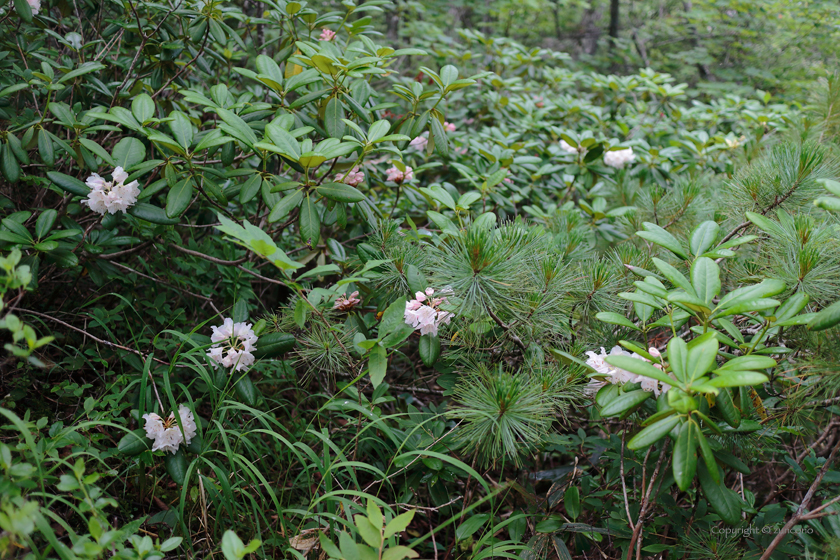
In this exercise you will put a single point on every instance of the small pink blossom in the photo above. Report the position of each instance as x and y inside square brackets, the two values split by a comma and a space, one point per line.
[354, 177]
[420, 143]
[449, 126]
[398, 176]
[327, 34]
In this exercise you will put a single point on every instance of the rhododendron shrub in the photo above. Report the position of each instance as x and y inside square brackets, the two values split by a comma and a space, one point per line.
[286, 281]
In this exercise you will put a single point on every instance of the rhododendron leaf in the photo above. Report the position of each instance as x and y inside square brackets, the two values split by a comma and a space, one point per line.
[663, 238]
[616, 319]
[333, 118]
[68, 184]
[825, 319]
[724, 501]
[377, 364]
[176, 466]
[23, 10]
[703, 237]
[705, 278]
[179, 197]
[310, 222]
[685, 456]
[340, 192]
[134, 443]
[625, 402]
[285, 205]
[151, 213]
[272, 345]
[377, 130]
[439, 137]
[429, 349]
[128, 152]
[247, 391]
[143, 107]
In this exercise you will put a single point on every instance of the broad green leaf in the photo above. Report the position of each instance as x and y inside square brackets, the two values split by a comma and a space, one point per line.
[703, 237]
[68, 184]
[678, 358]
[310, 222]
[429, 349]
[285, 205]
[176, 466]
[340, 192]
[685, 457]
[705, 278]
[377, 364]
[181, 128]
[398, 524]
[129, 152]
[723, 500]
[143, 107]
[616, 319]
[639, 367]
[701, 358]
[661, 237]
[179, 197]
[625, 402]
[571, 501]
[653, 433]
[706, 451]
[674, 276]
[333, 118]
[825, 319]
[727, 409]
[729, 378]
[470, 525]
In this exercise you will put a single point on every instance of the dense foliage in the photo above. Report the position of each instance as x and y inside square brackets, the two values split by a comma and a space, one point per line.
[275, 277]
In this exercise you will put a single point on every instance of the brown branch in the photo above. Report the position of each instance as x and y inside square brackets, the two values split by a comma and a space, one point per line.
[800, 514]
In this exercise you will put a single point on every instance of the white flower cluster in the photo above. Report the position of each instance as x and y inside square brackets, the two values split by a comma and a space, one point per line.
[619, 376]
[424, 313]
[234, 345]
[166, 433]
[569, 149]
[619, 158]
[111, 196]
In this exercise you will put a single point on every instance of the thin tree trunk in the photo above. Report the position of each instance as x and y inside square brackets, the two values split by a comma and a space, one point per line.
[614, 16]
[556, 11]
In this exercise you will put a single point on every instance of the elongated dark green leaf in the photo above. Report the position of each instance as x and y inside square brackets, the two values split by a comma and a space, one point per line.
[333, 115]
[176, 466]
[703, 237]
[624, 403]
[179, 197]
[285, 205]
[653, 433]
[723, 500]
[134, 443]
[685, 457]
[729, 378]
[705, 278]
[9, 164]
[827, 318]
[274, 344]
[639, 367]
[378, 364]
[701, 358]
[247, 391]
[661, 237]
[340, 192]
[706, 451]
[616, 319]
[674, 276]
[152, 213]
[68, 183]
[727, 409]
[23, 10]
[429, 349]
[310, 222]
[678, 358]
